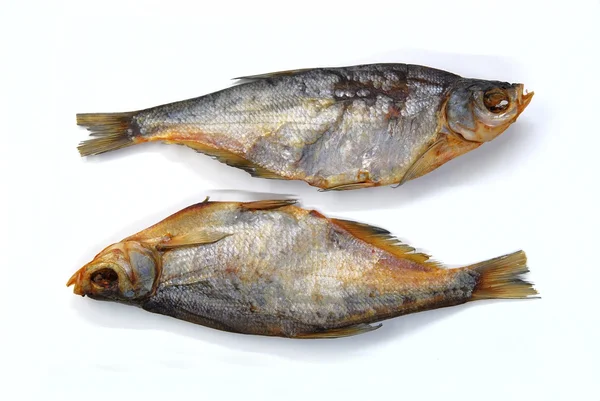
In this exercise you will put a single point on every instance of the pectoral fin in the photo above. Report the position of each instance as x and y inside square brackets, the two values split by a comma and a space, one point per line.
[342, 332]
[446, 148]
[268, 204]
[424, 163]
[192, 238]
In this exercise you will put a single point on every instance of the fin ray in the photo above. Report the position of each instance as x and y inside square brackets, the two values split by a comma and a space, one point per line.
[342, 331]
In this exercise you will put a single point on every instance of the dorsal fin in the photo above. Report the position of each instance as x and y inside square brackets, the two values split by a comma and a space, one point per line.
[268, 204]
[383, 239]
[232, 159]
[250, 78]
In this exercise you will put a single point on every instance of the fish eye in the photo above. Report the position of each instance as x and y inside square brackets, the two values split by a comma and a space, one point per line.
[105, 278]
[496, 100]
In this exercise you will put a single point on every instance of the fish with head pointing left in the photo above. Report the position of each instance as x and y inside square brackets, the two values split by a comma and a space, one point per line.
[272, 268]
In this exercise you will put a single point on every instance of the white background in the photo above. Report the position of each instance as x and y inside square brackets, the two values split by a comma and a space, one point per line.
[534, 188]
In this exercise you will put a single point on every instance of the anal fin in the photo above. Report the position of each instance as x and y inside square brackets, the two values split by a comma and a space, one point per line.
[232, 159]
[342, 331]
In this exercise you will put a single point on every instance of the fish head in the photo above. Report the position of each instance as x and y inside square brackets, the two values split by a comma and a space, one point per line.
[479, 110]
[123, 272]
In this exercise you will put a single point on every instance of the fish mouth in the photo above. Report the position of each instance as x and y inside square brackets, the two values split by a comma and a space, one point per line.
[523, 97]
[76, 279]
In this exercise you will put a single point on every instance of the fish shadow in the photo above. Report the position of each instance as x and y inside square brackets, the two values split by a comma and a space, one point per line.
[112, 315]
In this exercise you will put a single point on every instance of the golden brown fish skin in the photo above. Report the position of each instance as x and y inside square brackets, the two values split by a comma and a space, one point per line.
[272, 268]
[335, 128]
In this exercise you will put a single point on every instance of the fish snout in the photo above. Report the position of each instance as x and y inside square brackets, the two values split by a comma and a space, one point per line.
[76, 279]
[523, 98]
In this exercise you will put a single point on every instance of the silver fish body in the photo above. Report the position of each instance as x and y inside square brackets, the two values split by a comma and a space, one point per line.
[289, 272]
[335, 128]
[271, 268]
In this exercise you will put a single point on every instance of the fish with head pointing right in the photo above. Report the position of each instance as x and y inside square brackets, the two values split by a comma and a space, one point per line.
[335, 128]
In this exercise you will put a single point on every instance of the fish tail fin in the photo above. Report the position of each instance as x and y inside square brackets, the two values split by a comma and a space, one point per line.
[110, 131]
[501, 277]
